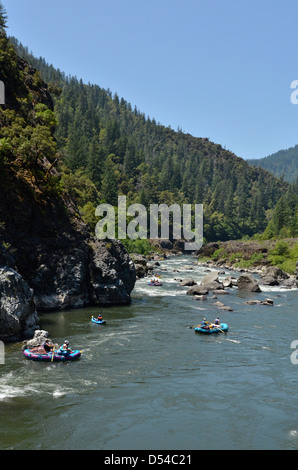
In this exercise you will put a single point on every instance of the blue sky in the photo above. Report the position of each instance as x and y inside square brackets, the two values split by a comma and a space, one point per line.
[215, 68]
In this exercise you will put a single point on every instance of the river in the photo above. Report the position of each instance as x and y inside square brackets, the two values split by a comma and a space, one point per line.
[146, 380]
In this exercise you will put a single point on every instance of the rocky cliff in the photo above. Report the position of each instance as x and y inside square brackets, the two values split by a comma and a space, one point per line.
[60, 259]
[18, 316]
[49, 258]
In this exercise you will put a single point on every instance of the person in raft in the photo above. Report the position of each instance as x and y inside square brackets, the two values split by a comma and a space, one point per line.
[65, 349]
[205, 324]
[216, 322]
[48, 346]
[99, 318]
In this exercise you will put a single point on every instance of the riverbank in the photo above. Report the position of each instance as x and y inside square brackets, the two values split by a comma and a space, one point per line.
[275, 261]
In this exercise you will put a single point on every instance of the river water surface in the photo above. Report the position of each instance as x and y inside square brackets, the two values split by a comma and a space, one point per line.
[147, 381]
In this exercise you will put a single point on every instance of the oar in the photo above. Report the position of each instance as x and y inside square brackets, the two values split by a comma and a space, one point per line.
[221, 330]
[53, 353]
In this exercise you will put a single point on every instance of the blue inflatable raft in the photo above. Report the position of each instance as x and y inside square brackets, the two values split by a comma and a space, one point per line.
[48, 357]
[98, 322]
[223, 328]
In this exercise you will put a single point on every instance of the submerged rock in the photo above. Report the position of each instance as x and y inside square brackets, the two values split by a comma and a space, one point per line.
[268, 302]
[187, 282]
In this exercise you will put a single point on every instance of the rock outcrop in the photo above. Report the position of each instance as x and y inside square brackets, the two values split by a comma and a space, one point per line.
[93, 273]
[18, 315]
[142, 266]
[59, 258]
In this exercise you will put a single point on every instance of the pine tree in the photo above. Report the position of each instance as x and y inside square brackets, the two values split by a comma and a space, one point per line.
[3, 18]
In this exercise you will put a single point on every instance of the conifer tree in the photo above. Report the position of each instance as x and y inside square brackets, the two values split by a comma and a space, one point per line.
[3, 17]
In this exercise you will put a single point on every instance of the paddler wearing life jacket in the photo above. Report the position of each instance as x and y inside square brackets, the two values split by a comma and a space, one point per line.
[65, 349]
[205, 324]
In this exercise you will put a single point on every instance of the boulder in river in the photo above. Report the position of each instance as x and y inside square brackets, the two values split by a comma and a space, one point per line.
[276, 273]
[268, 302]
[187, 282]
[228, 281]
[40, 336]
[246, 282]
[273, 276]
[269, 281]
[211, 281]
[197, 290]
[199, 297]
[220, 292]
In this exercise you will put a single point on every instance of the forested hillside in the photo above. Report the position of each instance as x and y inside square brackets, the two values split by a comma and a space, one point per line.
[283, 163]
[42, 235]
[284, 220]
[107, 148]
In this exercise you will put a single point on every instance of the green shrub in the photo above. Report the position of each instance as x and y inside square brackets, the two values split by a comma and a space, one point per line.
[284, 256]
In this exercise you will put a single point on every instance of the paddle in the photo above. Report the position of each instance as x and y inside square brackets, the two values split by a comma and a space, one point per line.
[52, 360]
[221, 330]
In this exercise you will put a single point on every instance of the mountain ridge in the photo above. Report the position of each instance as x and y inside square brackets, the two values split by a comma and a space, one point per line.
[283, 163]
